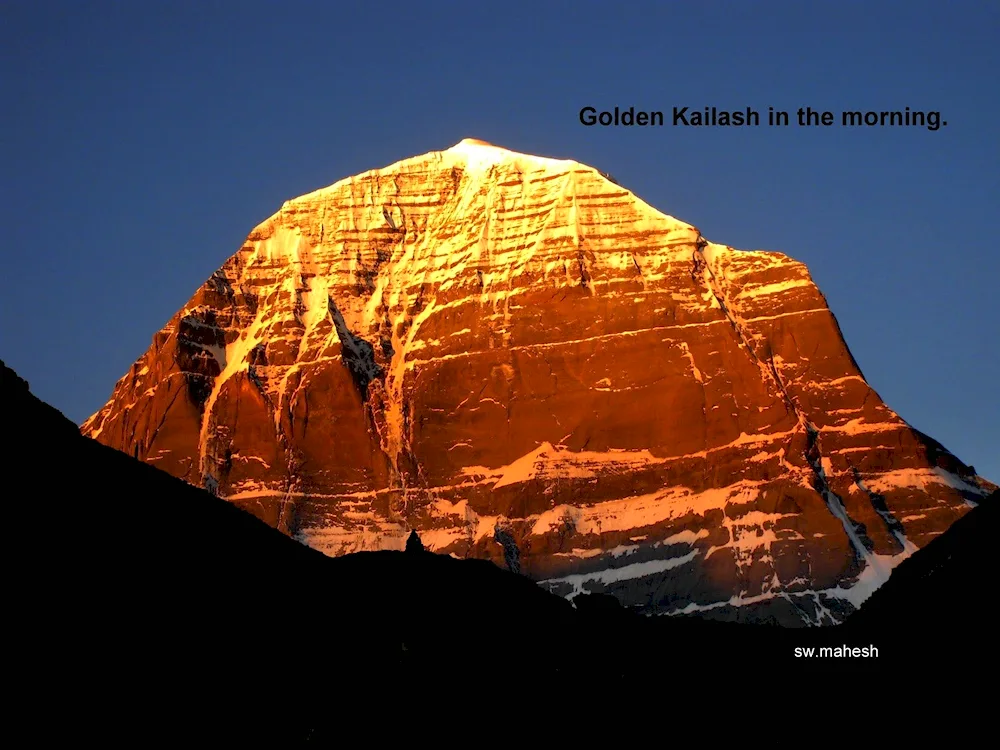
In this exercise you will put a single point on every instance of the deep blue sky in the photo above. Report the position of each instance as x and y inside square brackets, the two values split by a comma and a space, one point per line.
[142, 141]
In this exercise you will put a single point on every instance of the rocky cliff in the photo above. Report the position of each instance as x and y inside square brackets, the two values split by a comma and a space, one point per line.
[527, 363]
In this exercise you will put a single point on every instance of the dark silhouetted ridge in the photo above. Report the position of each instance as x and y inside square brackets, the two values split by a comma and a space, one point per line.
[143, 606]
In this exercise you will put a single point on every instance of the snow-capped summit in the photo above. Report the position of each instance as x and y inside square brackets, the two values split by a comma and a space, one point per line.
[476, 153]
[466, 142]
[481, 344]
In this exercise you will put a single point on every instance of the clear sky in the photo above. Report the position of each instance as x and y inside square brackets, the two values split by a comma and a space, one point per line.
[142, 141]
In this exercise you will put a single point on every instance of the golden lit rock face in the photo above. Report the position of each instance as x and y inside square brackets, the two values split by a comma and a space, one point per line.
[479, 343]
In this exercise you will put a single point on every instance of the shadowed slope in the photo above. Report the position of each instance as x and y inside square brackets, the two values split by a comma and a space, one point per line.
[956, 573]
[129, 618]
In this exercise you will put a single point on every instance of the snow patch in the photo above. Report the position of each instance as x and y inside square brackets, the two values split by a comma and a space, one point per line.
[624, 573]
[920, 479]
[550, 462]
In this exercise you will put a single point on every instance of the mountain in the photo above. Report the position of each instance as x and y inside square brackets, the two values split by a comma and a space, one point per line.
[130, 620]
[527, 363]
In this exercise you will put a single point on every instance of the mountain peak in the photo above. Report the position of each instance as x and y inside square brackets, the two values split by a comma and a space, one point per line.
[474, 153]
[520, 359]
[473, 142]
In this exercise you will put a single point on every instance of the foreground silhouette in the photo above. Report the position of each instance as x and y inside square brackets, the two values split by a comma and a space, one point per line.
[413, 543]
[130, 588]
